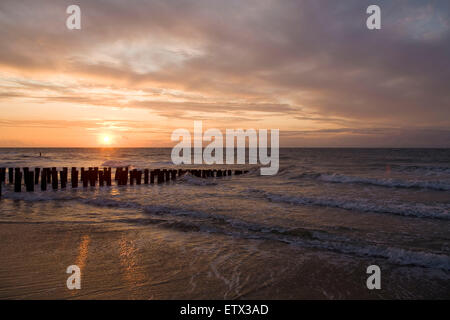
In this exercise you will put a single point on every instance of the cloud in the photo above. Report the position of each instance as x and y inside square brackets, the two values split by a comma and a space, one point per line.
[307, 62]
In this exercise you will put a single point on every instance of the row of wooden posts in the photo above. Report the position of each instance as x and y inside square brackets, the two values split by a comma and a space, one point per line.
[92, 176]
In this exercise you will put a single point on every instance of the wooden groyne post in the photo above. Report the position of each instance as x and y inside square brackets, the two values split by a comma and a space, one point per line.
[63, 176]
[54, 179]
[37, 173]
[2, 175]
[11, 175]
[146, 172]
[30, 178]
[17, 180]
[44, 180]
[74, 178]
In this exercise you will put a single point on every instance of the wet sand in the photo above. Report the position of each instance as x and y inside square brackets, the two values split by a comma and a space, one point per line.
[154, 263]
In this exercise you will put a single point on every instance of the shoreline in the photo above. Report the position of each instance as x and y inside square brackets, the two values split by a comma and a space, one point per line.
[155, 263]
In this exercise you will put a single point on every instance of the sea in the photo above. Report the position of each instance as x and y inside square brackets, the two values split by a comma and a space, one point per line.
[308, 232]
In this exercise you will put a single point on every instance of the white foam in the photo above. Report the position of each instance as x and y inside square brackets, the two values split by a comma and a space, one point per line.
[392, 183]
[394, 255]
[403, 209]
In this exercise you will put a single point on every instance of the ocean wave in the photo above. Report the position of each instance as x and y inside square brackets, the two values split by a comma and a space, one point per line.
[306, 175]
[188, 220]
[403, 209]
[394, 255]
[193, 180]
[162, 164]
[296, 236]
[116, 164]
[391, 183]
[40, 196]
[422, 169]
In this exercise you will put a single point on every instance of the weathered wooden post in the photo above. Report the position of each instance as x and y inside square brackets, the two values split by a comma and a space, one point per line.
[11, 175]
[49, 176]
[132, 175]
[124, 177]
[25, 176]
[74, 178]
[37, 173]
[84, 178]
[54, 179]
[167, 174]
[17, 180]
[159, 175]
[120, 177]
[2, 175]
[101, 180]
[2, 179]
[89, 176]
[173, 174]
[96, 173]
[107, 172]
[44, 180]
[117, 174]
[63, 177]
[30, 182]
[92, 177]
[152, 176]
[145, 176]
[139, 177]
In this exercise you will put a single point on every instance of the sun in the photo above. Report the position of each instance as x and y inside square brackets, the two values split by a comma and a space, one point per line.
[106, 140]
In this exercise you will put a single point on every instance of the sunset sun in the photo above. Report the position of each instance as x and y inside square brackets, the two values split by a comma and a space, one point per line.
[106, 140]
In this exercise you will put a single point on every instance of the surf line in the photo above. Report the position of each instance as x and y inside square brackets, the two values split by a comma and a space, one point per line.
[255, 142]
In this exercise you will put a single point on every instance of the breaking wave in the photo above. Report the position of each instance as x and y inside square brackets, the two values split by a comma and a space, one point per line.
[403, 209]
[116, 164]
[208, 222]
[391, 183]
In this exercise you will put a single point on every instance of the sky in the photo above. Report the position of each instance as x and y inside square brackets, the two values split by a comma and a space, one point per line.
[138, 70]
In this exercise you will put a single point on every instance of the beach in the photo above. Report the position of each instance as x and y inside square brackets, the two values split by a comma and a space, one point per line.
[150, 264]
